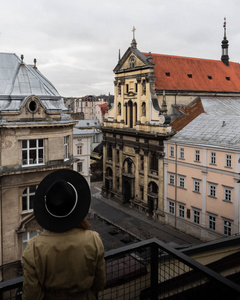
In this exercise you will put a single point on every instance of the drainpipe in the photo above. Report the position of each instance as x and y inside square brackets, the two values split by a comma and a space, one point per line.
[175, 211]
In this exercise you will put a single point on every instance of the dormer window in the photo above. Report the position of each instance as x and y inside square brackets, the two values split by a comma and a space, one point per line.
[189, 75]
[209, 77]
[167, 74]
[132, 62]
[228, 78]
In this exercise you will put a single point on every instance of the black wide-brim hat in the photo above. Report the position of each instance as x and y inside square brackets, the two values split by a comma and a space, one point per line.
[62, 200]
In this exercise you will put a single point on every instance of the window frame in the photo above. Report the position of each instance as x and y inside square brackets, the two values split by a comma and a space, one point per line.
[212, 187]
[171, 207]
[181, 153]
[196, 216]
[228, 161]
[26, 237]
[197, 155]
[227, 228]
[181, 211]
[80, 164]
[213, 158]
[227, 195]
[66, 147]
[27, 198]
[171, 178]
[79, 149]
[212, 222]
[171, 151]
[28, 150]
[196, 186]
[181, 182]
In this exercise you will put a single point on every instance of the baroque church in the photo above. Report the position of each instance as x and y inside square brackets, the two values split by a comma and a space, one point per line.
[147, 88]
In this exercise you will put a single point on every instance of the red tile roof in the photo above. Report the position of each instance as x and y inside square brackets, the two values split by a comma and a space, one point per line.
[190, 112]
[195, 74]
[103, 107]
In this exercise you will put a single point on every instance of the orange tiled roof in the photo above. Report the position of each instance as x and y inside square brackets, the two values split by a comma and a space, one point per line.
[190, 112]
[103, 107]
[195, 74]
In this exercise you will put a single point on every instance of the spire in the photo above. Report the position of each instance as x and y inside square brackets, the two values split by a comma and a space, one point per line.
[119, 55]
[225, 57]
[134, 43]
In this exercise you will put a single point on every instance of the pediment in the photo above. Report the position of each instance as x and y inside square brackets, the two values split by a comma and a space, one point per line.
[32, 108]
[132, 59]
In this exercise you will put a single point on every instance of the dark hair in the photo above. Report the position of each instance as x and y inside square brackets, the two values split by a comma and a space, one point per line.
[85, 225]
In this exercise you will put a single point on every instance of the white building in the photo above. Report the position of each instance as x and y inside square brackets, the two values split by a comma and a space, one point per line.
[82, 144]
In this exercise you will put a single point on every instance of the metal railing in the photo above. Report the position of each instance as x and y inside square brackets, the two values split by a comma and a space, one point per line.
[151, 269]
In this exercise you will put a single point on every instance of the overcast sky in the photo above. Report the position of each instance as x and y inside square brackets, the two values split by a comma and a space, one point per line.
[76, 42]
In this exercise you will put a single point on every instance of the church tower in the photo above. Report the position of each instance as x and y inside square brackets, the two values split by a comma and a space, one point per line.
[225, 57]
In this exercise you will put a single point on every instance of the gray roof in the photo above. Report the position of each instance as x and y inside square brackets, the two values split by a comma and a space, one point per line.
[77, 131]
[218, 126]
[221, 106]
[19, 80]
[88, 123]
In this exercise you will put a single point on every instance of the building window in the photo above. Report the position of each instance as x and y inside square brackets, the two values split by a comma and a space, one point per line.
[79, 167]
[196, 186]
[181, 211]
[66, 147]
[213, 158]
[26, 236]
[212, 190]
[32, 152]
[227, 228]
[127, 88]
[154, 161]
[196, 216]
[171, 151]
[181, 153]
[171, 207]
[28, 197]
[228, 160]
[197, 155]
[171, 179]
[79, 150]
[212, 222]
[227, 194]
[119, 109]
[136, 87]
[181, 182]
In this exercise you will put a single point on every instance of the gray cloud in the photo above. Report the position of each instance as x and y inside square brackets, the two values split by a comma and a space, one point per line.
[76, 42]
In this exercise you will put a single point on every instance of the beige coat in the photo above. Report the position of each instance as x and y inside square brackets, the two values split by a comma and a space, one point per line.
[67, 265]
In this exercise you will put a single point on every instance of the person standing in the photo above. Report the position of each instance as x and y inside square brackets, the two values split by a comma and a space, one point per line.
[66, 260]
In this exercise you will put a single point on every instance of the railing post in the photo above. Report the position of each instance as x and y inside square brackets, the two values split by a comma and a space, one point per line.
[154, 271]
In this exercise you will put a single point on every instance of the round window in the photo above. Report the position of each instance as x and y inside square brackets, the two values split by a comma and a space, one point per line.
[32, 106]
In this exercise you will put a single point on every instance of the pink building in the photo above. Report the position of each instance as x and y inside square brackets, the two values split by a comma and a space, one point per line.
[201, 172]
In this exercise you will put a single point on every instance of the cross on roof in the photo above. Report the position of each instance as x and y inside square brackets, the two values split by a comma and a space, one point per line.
[133, 30]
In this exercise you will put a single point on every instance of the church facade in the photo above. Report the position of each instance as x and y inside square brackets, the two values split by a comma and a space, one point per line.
[147, 87]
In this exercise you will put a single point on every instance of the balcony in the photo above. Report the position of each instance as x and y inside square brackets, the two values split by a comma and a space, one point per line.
[153, 270]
